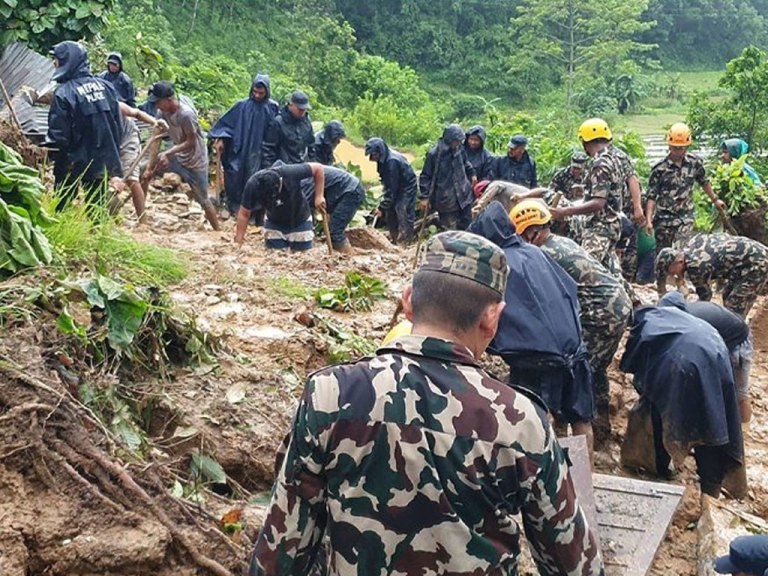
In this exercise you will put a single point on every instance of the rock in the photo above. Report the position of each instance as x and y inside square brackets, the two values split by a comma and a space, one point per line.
[171, 180]
[368, 238]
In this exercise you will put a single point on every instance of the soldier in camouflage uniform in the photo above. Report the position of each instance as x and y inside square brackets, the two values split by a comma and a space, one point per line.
[569, 181]
[740, 262]
[669, 210]
[605, 305]
[414, 461]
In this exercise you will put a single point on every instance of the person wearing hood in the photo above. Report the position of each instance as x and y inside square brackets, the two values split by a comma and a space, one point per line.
[398, 204]
[683, 375]
[481, 160]
[516, 166]
[446, 181]
[238, 137]
[741, 264]
[735, 148]
[84, 127]
[539, 335]
[735, 333]
[115, 75]
[290, 137]
[605, 305]
[188, 157]
[326, 141]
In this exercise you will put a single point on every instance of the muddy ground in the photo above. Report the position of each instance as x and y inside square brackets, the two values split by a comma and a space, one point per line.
[236, 410]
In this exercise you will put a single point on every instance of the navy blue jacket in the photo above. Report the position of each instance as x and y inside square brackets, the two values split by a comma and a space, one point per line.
[288, 139]
[451, 172]
[396, 174]
[84, 120]
[243, 128]
[324, 142]
[121, 81]
[521, 172]
[482, 160]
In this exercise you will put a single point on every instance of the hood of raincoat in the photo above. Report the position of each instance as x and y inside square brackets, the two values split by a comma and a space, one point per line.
[73, 61]
[736, 147]
[117, 58]
[377, 145]
[675, 299]
[494, 225]
[452, 132]
[260, 79]
[333, 131]
[478, 131]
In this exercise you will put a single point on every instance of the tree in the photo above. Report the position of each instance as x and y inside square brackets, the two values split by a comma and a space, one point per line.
[744, 113]
[581, 37]
[41, 23]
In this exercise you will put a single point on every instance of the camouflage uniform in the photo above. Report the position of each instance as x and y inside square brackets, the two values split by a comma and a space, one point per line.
[605, 308]
[671, 188]
[414, 462]
[563, 182]
[740, 262]
[573, 226]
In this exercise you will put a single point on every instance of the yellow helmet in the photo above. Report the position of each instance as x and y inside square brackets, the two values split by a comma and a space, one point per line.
[593, 129]
[679, 135]
[529, 213]
[402, 329]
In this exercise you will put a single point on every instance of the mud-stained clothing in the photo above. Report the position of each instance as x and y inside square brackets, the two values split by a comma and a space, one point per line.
[741, 263]
[671, 187]
[413, 462]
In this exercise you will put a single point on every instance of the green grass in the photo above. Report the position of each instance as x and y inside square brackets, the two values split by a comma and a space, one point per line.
[705, 81]
[290, 288]
[96, 243]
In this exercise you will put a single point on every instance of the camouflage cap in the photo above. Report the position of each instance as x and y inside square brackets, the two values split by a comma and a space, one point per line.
[469, 256]
[664, 260]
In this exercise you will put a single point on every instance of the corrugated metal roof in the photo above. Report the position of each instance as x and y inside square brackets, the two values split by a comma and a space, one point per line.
[21, 67]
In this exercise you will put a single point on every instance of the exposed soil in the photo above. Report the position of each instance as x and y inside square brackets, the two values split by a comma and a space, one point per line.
[66, 505]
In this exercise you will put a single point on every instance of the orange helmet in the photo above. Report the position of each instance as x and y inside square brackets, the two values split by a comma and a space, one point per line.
[531, 212]
[679, 135]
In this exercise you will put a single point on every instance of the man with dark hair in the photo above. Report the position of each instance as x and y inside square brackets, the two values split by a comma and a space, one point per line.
[115, 75]
[238, 136]
[741, 263]
[416, 460]
[84, 127]
[278, 190]
[188, 157]
[517, 165]
[480, 158]
[326, 141]
[446, 181]
[569, 181]
[290, 138]
[398, 204]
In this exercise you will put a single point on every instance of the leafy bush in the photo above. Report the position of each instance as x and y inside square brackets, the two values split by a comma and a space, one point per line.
[398, 125]
[358, 293]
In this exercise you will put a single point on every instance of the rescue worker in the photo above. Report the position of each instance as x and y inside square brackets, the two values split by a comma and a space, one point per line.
[398, 204]
[669, 211]
[344, 194]
[415, 460]
[278, 191]
[683, 376]
[115, 75]
[741, 263]
[326, 141]
[505, 192]
[446, 181]
[747, 556]
[605, 305]
[735, 333]
[569, 181]
[517, 166]
[83, 127]
[290, 138]
[238, 137]
[480, 158]
[539, 335]
[188, 157]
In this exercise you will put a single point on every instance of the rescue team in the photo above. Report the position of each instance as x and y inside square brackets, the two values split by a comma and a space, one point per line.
[414, 460]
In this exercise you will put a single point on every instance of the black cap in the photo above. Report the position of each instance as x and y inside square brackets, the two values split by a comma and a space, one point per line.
[518, 140]
[113, 59]
[160, 90]
[301, 100]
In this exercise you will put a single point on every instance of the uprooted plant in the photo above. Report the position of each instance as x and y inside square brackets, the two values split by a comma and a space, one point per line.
[359, 292]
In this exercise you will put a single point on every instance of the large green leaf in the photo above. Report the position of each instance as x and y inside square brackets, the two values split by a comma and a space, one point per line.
[207, 469]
